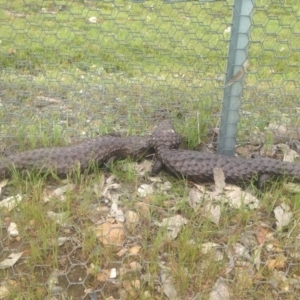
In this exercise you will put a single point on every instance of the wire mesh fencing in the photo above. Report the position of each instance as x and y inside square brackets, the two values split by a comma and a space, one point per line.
[270, 102]
[114, 63]
[74, 69]
[83, 66]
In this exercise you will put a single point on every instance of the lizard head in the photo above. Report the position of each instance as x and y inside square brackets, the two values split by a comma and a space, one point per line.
[165, 136]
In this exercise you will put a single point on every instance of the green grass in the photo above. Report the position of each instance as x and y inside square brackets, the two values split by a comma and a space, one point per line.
[136, 57]
[63, 77]
[191, 270]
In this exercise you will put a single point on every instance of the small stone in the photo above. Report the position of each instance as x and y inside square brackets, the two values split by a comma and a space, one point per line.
[13, 229]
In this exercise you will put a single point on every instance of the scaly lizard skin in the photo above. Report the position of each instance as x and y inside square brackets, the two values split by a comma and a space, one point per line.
[199, 167]
[193, 165]
[62, 160]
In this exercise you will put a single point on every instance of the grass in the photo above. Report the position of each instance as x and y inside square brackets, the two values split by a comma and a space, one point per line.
[136, 59]
[191, 271]
[62, 76]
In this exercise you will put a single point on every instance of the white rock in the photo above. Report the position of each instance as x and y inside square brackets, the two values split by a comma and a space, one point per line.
[12, 229]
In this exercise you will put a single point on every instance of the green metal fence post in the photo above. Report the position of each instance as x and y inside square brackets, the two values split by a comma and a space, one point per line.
[236, 67]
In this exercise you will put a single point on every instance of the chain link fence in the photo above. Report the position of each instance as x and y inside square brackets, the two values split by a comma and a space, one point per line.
[80, 68]
[116, 64]
[270, 105]
[86, 66]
